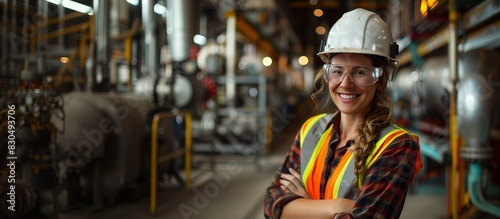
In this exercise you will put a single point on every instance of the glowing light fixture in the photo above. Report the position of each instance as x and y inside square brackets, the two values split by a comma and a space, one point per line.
[267, 61]
[64, 59]
[199, 39]
[423, 8]
[56, 2]
[320, 30]
[318, 12]
[159, 9]
[75, 6]
[133, 2]
[427, 5]
[303, 60]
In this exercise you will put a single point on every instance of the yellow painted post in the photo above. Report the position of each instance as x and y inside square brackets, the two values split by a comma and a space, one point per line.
[187, 159]
[154, 157]
[454, 184]
[154, 154]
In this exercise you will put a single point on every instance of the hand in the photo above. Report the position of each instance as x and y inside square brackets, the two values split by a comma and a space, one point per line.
[293, 183]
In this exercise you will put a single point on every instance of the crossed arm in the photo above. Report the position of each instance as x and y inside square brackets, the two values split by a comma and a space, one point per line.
[382, 195]
[306, 207]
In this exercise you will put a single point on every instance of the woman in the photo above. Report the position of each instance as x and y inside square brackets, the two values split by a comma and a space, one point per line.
[353, 163]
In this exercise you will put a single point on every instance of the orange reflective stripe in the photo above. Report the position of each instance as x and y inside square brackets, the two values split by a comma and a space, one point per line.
[380, 146]
[314, 145]
[315, 167]
[383, 144]
[333, 185]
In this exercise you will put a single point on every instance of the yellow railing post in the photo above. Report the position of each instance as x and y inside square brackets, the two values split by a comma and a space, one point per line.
[154, 153]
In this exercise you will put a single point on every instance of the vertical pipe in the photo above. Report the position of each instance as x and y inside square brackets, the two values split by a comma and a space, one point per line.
[231, 59]
[453, 62]
[180, 28]
[102, 49]
[475, 185]
[150, 39]
[114, 17]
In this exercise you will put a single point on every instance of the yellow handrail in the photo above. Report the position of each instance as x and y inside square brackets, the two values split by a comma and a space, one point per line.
[154, 153]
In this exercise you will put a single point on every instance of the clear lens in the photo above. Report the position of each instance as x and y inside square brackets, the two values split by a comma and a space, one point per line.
[359, 75]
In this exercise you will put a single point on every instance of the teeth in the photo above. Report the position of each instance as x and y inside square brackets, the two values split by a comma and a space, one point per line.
[345, 96]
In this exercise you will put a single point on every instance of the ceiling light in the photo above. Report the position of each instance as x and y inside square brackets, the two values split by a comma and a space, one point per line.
[160, 9]
[318, 12]
[56, 2]
[303, 60]
[133, 2]
[267, 61]
[75, 6]
[320, 30]
[199, 39]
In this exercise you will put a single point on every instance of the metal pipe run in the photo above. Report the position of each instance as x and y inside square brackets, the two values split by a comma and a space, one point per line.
[150, 38]
[102, 51]
[476, 194]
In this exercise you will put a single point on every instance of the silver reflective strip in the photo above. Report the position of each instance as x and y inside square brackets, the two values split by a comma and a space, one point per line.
[347, 188]
[311, 140]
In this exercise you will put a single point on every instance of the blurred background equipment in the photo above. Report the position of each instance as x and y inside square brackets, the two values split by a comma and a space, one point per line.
[115, 98]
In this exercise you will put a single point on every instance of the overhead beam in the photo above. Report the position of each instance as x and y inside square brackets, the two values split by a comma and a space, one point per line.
[248, 30]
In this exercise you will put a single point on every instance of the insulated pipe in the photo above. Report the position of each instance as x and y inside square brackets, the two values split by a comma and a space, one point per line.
[478, 109]
[102, 51]
[231, 58]
[476, 194]
[180, 28]
[150, 39]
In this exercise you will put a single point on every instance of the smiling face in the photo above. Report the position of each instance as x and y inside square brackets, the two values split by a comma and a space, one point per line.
[349, 98]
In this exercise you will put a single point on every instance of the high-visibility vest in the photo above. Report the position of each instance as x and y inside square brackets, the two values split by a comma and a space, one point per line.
[314, 141]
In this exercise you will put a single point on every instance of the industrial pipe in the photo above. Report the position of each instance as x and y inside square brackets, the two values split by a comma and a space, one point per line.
[150, 38]
[180, 28]
[476, 194]
[102, 51]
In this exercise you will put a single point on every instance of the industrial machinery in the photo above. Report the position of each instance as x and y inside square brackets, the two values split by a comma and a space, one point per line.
[82, 114]
[421, 99]
[77, 140]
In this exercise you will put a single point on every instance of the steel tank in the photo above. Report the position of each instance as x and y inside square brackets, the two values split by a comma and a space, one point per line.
[104, 139]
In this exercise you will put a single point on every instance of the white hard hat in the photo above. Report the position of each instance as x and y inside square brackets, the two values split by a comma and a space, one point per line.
[360, 31]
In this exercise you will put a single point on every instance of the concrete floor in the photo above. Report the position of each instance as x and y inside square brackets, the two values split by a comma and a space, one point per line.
[234, 189]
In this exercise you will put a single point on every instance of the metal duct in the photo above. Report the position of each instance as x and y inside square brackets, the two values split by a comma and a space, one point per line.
[478, 91]
[433, 88]
[180, 27]
[150, 38]
[102, 51]
[478, 99]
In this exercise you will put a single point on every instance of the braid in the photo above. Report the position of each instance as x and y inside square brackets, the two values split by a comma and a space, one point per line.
[368, 132]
